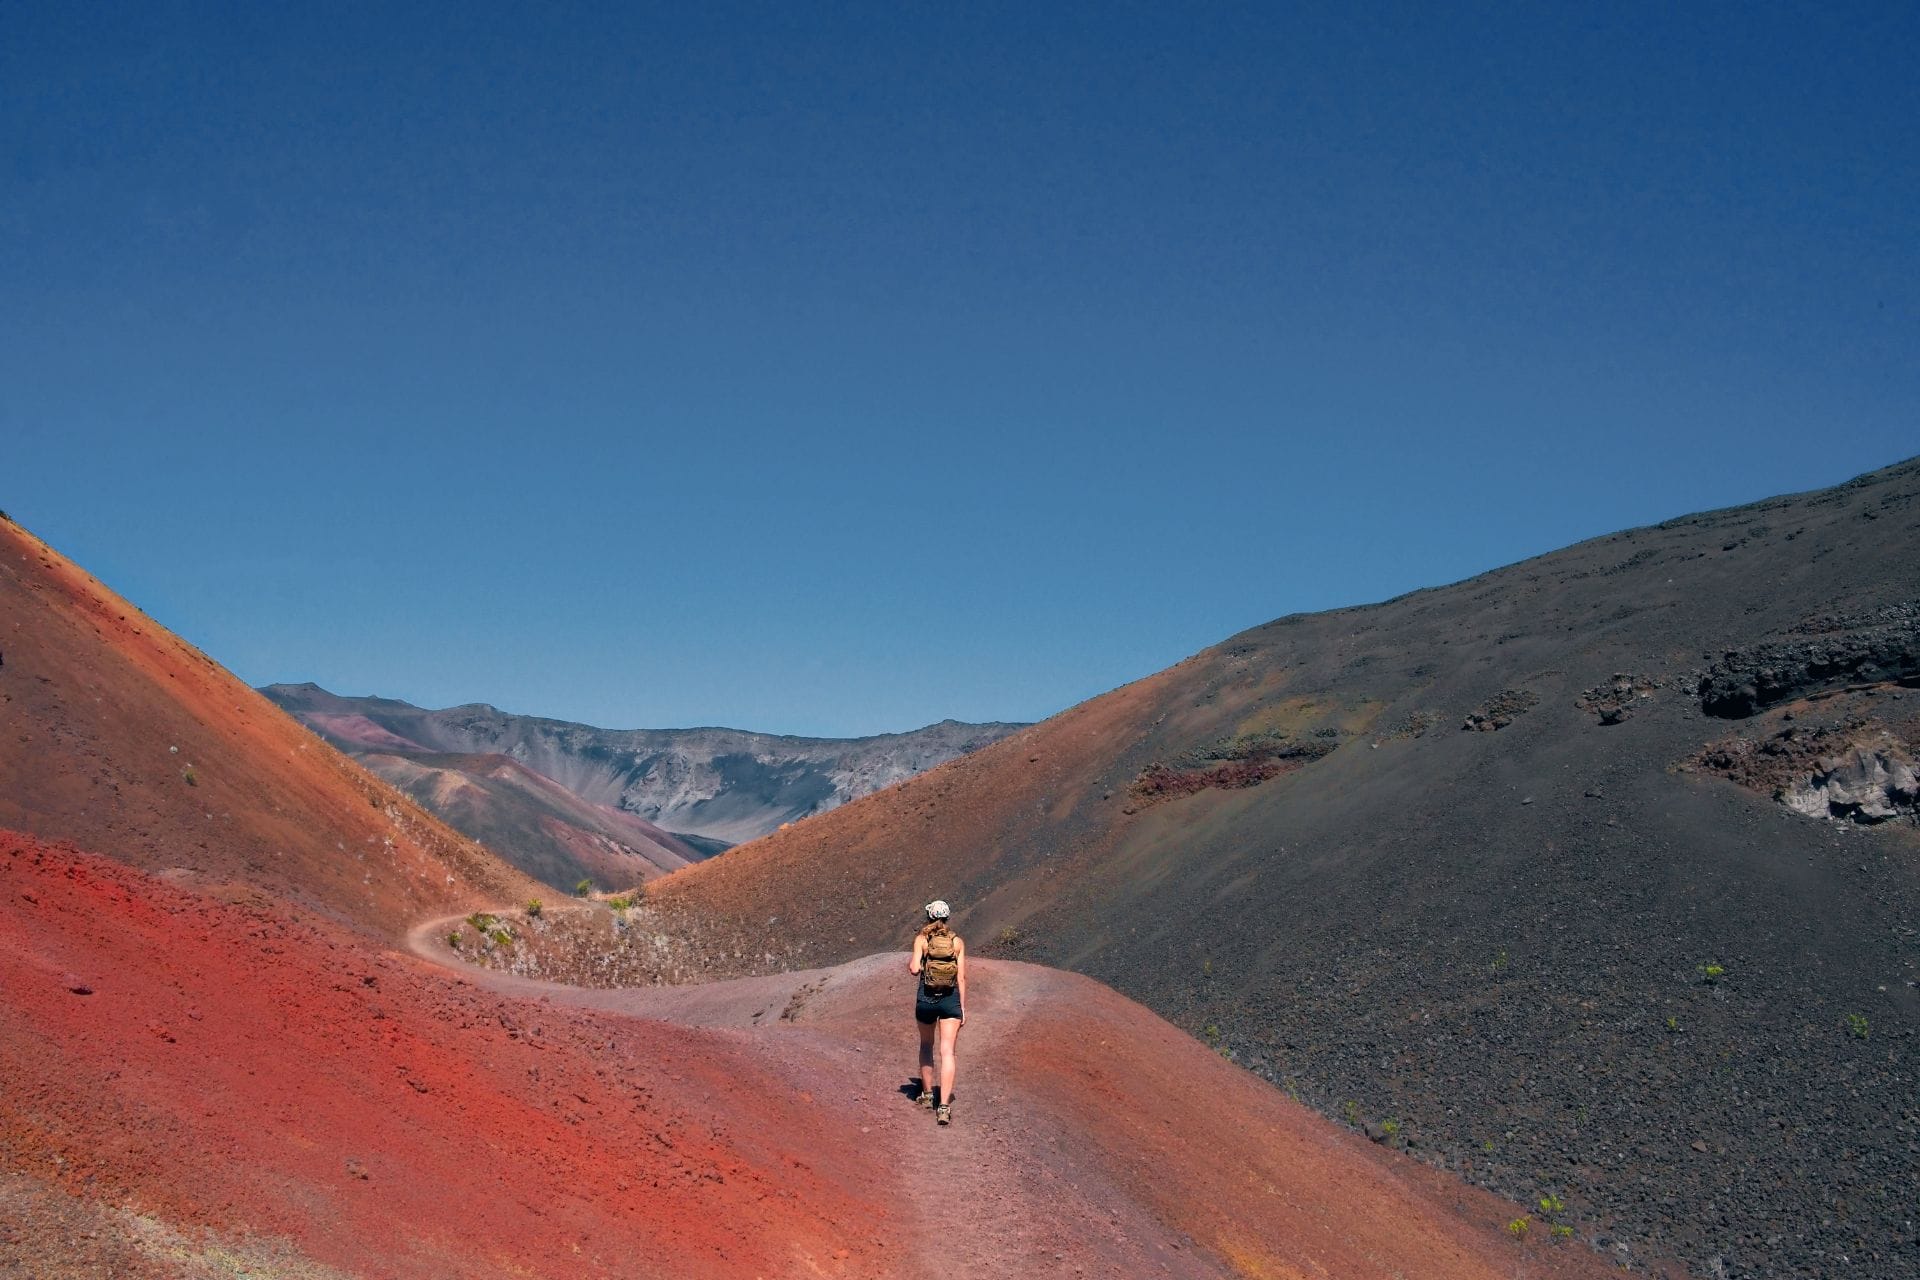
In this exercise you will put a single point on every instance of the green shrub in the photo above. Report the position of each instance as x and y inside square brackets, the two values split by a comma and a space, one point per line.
[534, 908]
[192, 778]
[1857, 1025]
[1519, 1227]
[1712, 970]
[584, 888]
[453, 939]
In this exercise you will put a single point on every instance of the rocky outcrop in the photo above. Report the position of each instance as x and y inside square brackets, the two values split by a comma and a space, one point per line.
[1868, 782]
[1844, 652]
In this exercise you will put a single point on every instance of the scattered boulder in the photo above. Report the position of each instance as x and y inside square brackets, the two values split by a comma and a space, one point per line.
[1613, 702]
[1501, 710]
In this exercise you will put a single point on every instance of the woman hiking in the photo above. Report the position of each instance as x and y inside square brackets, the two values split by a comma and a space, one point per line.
[939, 960]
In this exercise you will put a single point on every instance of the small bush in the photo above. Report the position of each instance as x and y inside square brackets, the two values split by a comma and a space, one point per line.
[1519, 1227]
[1857, 1025]
[584, 888]
[1551, 1204]
[1561, 1231]
[618, 904]
[453, 939]
[192, 778]
[1712, 970]
[534, 908]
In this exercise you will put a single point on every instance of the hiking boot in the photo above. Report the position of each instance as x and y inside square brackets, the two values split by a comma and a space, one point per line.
[944, 1113]
[925, 1099]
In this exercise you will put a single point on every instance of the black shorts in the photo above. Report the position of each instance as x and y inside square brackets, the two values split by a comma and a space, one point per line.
[929, 1009]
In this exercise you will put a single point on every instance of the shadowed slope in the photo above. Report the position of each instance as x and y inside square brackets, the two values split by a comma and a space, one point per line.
[122, 737]
[1454, 858]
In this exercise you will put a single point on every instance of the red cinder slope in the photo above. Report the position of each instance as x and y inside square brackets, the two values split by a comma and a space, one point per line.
[240, 1070]
[125, 739]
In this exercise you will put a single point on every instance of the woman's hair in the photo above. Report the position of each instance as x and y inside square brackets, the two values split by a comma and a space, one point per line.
[931, 927]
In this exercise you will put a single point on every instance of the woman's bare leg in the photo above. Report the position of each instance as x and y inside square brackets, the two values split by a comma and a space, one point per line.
[949, 1040]
[926, 1058]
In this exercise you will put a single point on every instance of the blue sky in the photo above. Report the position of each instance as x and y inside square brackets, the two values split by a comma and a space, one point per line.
[835, 369]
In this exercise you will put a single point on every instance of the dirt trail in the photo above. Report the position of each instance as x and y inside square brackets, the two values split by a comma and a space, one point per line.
[1089, 1138]
[970, 1189]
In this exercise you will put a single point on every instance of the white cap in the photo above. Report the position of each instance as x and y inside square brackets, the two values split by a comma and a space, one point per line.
[938, 910]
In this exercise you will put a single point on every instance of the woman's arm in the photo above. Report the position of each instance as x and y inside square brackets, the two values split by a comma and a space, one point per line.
[913, 958]
[960, 960]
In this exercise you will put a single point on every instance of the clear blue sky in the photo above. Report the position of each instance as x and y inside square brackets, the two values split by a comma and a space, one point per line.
[835, 369]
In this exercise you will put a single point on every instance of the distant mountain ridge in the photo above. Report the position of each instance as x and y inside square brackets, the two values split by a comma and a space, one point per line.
[692, 791]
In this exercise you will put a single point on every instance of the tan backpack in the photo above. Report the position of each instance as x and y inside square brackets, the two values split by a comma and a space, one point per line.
[940, 968]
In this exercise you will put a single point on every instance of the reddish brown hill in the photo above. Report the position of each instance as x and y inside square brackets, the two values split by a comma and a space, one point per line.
[124, 738]
[192, 1083]
[1469, 859]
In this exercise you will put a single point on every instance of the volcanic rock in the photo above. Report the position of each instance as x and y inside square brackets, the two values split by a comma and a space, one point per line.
[1867, 783]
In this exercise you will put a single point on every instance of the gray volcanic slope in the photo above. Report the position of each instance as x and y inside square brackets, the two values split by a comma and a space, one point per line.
[1597, 874]
[720, 786]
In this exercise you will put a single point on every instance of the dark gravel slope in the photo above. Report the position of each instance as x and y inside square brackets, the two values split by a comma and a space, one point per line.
[1472, 861]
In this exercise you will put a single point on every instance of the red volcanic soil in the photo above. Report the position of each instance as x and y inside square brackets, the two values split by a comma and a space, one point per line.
[197, 1078]
[124, 738]
[246, 1072]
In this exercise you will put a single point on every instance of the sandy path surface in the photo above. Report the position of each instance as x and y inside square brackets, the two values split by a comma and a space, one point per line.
[981, 1192]
[1090, 1138]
